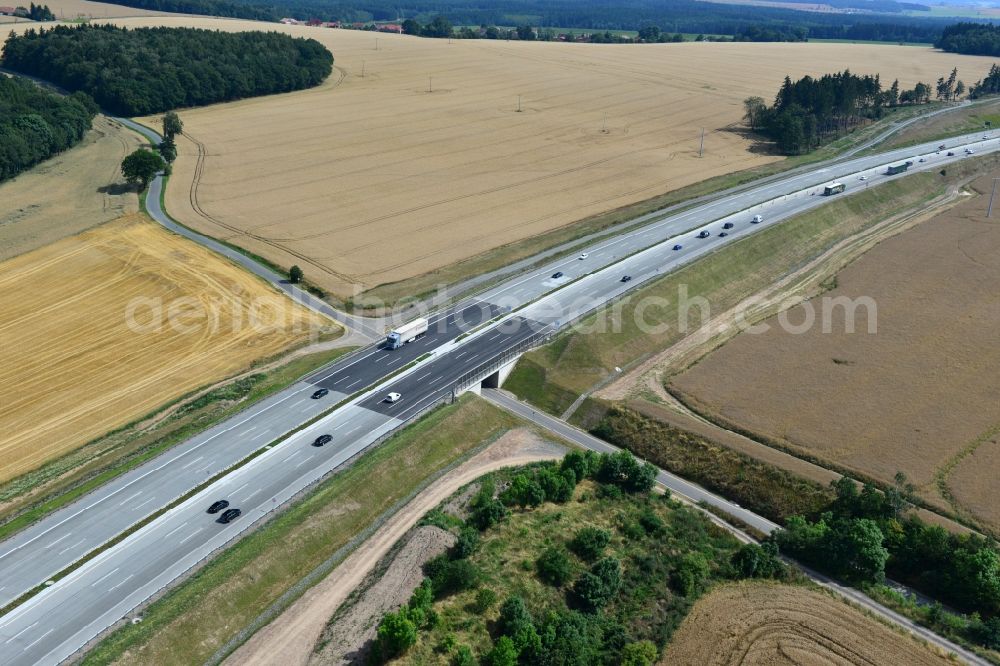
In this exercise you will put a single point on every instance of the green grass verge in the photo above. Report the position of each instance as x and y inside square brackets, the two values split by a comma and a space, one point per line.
[196, 618]
[31, 497]
[967, 119]
[575, 362]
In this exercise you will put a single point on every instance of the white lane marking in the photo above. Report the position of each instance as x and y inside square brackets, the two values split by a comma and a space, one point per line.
[355, 383]
[295, 453]
[107, 575]
[336, 428]
[192, 462]
[129, 498]
[252, 494]
[143, 504]
[121, 582]
[68, 548]
[247, 431]
[174, 530]
[297, 402]
[382, 358]
[241, 487]
[32, 643]
[21, 632]
[68, 534]
[190, 536]
[424, 375]
[303, 462]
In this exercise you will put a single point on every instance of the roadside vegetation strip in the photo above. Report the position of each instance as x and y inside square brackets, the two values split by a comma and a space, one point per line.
[961, 120]
[192, 621]
[30, 498]
[555, 375]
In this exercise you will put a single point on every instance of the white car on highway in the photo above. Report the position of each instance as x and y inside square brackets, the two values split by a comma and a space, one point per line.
[393, 397]
[583, 256]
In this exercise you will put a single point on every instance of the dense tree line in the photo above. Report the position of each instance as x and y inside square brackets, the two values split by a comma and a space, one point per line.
[40, 12]
[987, 86]
[148, 70]
[763, 33]
[671, 16]
[866, 535]
[809, 112]
[36, 124]
[970, 39]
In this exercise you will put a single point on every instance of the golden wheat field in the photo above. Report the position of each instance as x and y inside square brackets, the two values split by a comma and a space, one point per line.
[101, 328]
[758, 623]
[415, 156]
[917, 395]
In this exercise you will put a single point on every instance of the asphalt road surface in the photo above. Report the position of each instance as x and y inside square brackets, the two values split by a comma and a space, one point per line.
[60, 619]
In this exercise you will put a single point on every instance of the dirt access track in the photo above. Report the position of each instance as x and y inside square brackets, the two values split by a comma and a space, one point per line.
[101, 328]
[753, 623]
[919, 395]
[289, 639]
[414, 155]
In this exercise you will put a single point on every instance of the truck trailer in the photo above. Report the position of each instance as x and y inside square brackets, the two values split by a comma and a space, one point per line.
[406, 333]
[898, 168]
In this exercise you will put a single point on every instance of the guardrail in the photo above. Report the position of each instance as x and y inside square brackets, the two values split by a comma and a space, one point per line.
[499, 360]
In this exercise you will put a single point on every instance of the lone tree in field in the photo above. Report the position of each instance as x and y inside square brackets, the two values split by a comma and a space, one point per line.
[168, 149]
[172, 125]
[754, 109]
[141, 167]
[295, 275]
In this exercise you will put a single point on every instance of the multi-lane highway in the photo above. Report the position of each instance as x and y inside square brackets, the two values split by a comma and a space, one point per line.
[61, 618]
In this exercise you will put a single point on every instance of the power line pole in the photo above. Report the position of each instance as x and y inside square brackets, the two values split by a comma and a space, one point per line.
[430, 84]
[989, 209]
[362, 69]
[701, 148]
[604, 124]
[519, 104]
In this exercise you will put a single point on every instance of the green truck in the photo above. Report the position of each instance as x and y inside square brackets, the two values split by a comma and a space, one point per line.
[898, 168]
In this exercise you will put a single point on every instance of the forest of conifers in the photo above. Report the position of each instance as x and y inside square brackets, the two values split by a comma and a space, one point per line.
[149, 70]
[971, 39]
[36, 123]
[811, 111]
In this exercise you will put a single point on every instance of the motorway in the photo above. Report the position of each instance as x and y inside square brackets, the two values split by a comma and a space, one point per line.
[60, 619]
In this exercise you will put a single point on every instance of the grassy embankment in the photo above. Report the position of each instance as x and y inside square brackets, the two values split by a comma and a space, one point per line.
[30, 497]
[575, 362]
[972, 118]
[425, 285]
[199, 616]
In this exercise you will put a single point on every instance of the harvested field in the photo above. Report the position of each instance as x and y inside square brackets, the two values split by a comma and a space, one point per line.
[918, 396]
[751, 623]
[71, 9]
[425, 160]
[69, 193]
[78, 358]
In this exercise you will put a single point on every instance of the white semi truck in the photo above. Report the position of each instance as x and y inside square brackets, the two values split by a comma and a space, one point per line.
[406, 333]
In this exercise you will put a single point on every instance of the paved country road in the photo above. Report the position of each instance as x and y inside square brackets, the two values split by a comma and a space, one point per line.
[63, 617]
[695, 494]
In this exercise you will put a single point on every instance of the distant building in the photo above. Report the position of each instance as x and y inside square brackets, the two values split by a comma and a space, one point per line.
[291, 21]
[389, 27]
[330, 24]
[7, 11]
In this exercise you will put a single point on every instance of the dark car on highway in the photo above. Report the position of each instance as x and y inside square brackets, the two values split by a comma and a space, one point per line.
[626, 278]
[319, 393]
[218, 506]
[703, 234]
[727, 225]
[229, 515]
[557, 275]
[677, 247]
[723, 233]
[951, 154]
[322, 439]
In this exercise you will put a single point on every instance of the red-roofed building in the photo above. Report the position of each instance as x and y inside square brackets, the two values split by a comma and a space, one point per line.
[7, 11]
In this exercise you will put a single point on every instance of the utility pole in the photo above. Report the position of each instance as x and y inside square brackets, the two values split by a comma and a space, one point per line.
[604, 124]
[519, 104]
[989, 209]
[430, 84]
[362, 69]
[701, 148]
[376, 43]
